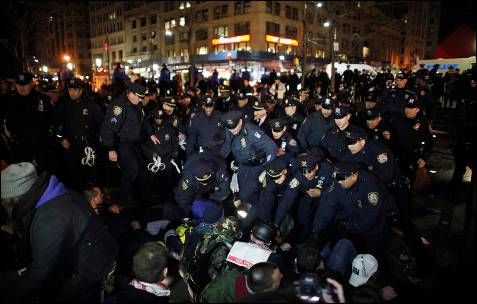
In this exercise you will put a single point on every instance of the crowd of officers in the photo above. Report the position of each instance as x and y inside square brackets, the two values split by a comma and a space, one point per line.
[337, 165]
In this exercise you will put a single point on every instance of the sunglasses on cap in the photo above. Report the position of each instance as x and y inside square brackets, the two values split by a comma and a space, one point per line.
[277, 130]
[352, 141]
[307, 171]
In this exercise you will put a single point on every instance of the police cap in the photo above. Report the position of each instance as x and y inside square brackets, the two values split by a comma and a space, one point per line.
[341, 111]
[318, 100]
[277, 124]
[268, 99]
[344, 170]
[291, 101]
[230, 119]
[258, 105]
[373, 113]
[276, 168]
[328, 103]
[24, 78]
[353, 135]
[401, 75]
[307, 162]
[158, 114]
[410, 100]
[208, 102]
[203, 171]
[138, 89]
[170, 101]
[75, 83]
[371, 95]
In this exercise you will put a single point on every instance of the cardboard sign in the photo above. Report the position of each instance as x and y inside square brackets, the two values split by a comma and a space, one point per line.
[247, 254]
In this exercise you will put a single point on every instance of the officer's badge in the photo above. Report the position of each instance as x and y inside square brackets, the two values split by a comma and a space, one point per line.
[292, 142]
[294, 183]
[382, 158]
[243, 143]
[85, 112]
[417, 126]
[304, 164]
[257, 135]
[117, 110]
[320, 184]
[294, 126]
[185, 185]
[166, 137]
[40, 105]
[360, 204]
[114, 120]
[373, 198]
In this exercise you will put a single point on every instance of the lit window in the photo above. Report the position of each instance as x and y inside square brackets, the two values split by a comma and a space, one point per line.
[203, 50]
[182, 21]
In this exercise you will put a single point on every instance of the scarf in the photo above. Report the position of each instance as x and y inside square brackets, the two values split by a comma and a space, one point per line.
[157, 289]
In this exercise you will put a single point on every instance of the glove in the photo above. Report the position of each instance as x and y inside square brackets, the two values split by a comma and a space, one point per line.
[234, 186]
[182, 144]
[233, 166]
[261, 177]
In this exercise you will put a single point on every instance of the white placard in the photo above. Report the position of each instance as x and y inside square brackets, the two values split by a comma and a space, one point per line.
[247, 254]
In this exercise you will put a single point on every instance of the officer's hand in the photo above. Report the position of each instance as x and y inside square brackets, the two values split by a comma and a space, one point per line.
[280, 152]
[65, 143]
[386, 135]
[155, 140]
[113, 156]
[338, 290]
[182, 137]
[421, 163]
[314, 192]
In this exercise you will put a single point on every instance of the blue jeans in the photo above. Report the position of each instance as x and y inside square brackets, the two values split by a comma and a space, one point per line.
[340, 257]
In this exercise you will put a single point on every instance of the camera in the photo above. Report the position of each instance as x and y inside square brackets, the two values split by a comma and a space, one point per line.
[310, 288]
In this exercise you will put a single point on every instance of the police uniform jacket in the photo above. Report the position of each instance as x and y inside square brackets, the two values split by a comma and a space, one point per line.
[202, 130]
[299, 184]
[167, 149]
[251, 147]
[122, 122]
[362, 207]
[190, 188]
[79, 120]
[289, 144]
[378, 134]
[29, 116]
[313, 129]
[293, 122]
[247, 111]
[333, 141]
[270, 194]
[393, 100]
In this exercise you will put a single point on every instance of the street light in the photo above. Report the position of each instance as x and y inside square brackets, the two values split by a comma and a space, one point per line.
[332, 53]
[327, 24]
[67, 58]
[69, 65]
[319, 4]
[98, 62]
[44, 69]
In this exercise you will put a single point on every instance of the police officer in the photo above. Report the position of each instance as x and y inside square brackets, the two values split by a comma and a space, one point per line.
[293, 118]
[251, 149]
[28, 122]
[260, 115]
[333, 139]
[307, 185]
[160, 149]
[244, 104]
[358, 203]
[271, 106]
[273, 185]
[204, 128]
[78, 125]
[287, 145]
[378, 129]
[120, 134]
[413, 138]
[169, 104]
[393, 98]
[205, 177]
[315, 125]
[425, 97]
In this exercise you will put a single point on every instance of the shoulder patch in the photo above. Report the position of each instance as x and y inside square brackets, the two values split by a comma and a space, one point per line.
[185, 184]
[114, 120]
[373, 198]
[257, 135]
[292, 142]
[382, 158]
[117, 110]
[294, 183]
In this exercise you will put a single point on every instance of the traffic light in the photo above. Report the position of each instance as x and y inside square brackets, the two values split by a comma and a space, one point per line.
[106, 46]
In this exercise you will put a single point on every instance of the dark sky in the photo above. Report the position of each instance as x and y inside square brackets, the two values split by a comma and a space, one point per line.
[454, 14]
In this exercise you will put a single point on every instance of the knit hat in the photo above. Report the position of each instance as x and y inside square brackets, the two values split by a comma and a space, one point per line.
[17, 179]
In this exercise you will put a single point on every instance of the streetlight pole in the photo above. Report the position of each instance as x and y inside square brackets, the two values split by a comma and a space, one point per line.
[333, 76]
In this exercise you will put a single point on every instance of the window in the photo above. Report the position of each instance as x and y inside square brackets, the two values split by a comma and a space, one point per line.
[184, 36]
[134, 50]
[184, 52]
[203, 50]
[225, 10]
[168, 24]
[113, 54]
[217, 12]
[273, 28]
[134, 38]
[276, 8]
[144, 49]
[182, 21]
[269, 7]
[246, 7]
[154, 47]
[272, 47]
[202, 15]
[153, 19]
[143, 21]
[291, 12]
[242, 28]
[143, 37]
[133, 24]
[201, 35]
[169, 6]
[291, 32]
[242, 7]
[120, 55]
[169, 39]
[221, 31]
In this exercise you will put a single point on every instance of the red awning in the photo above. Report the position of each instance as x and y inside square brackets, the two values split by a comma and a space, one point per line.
[459, 44]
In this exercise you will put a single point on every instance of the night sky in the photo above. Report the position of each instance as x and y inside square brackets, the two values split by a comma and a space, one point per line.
[453, 15]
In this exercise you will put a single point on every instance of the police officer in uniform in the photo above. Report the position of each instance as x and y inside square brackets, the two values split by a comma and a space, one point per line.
[205, 177]
[160, 149]
[204, 128]
[393, 98]
[333, 140]
[78, 125]
[252, 149]
[378, 129]
[260, 115]
[307, 185]
[120, 134]
[358, 205]
[293, 118]
[244, 104]
[315, 125]
[172, 118]
[413, 138]
[287, 145]
[28, 122]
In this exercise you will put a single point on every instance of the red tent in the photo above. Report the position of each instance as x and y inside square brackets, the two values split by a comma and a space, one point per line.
[459, 44]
